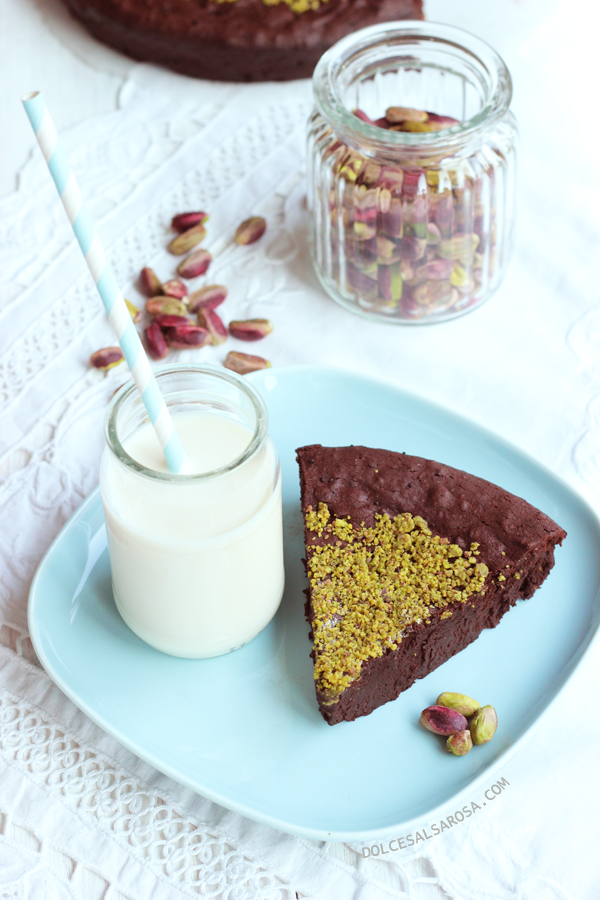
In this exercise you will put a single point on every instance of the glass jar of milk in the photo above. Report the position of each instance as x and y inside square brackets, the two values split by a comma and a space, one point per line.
[196, 559]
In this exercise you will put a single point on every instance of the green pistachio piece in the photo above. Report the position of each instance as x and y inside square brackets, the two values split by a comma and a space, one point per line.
[483, 725]
[459, 276]
[461, 246]
[460, 702]
[459, 743]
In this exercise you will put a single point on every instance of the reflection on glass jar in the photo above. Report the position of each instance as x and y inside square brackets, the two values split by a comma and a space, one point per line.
[411, 214]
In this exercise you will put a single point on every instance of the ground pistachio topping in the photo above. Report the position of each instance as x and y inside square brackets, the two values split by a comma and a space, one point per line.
[369, 584]
[297, 6]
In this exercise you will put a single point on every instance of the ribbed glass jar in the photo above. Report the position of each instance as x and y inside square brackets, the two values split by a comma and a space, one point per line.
[411, 227]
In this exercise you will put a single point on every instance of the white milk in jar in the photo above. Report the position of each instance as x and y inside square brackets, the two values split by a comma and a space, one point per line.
[196, 559]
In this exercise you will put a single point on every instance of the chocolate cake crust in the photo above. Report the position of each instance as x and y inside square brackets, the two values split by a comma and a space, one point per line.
[245, 40]
[515, 541]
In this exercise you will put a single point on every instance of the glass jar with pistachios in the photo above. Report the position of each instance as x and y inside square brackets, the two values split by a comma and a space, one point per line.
[411, 172]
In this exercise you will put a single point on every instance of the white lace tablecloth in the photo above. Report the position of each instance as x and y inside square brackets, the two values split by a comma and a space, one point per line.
[79, 815]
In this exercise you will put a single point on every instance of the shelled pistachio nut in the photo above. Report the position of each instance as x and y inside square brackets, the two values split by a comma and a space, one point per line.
[443, 720]
[134, 311]
[168, 306]
[483, 725]
[396, 114]
[195, 264]
[250, 329]
[250, 230]
[459, 743]
[186, 337]
[460, 702]
[150, 283]
[184, 221]
[174, 288]
[209, 319]
[165, 320]
[107, 358]
[208, 297]
[244, 363]
[186, 241]
[155, 342]
[461, 246]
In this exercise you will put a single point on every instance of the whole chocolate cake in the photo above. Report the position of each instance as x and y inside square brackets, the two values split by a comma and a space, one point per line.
[408, 560]
[234, 40]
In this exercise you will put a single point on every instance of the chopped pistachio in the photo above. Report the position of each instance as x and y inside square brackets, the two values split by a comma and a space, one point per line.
[371, 583]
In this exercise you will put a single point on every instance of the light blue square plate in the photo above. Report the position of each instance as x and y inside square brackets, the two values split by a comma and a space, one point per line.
[244, 729]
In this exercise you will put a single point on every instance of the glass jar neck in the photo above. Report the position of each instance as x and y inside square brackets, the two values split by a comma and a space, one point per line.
[190, 389]
[350, 74]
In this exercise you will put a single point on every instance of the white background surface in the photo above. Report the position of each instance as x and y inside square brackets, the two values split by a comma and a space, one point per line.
[526, 365]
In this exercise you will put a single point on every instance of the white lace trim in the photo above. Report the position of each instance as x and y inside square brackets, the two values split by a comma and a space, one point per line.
[18, 641]
[53, 332]
[45, 871]
[197, 860]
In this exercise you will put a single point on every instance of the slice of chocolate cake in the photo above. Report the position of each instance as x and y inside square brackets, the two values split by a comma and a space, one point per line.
[408, 560]
[237, 40]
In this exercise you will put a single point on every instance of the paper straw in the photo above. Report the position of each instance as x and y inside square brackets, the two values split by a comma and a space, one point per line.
[105, 281]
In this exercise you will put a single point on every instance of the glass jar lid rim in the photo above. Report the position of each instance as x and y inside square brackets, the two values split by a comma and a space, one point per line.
[129, 389]
[331, 107]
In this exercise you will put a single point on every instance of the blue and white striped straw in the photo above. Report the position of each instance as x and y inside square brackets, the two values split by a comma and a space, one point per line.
[105, 281]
